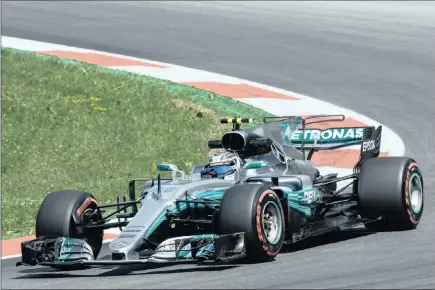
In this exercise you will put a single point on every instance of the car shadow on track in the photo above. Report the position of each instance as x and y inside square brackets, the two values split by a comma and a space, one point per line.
[328, 238]
[47, 273]
[44, 273]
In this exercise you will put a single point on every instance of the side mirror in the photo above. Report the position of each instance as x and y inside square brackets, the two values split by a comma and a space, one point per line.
[171, 168]
[255, 165]
[166, 167]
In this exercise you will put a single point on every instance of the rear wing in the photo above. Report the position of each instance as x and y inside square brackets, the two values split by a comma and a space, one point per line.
[370, 145]
[325, 138]
[296, 134]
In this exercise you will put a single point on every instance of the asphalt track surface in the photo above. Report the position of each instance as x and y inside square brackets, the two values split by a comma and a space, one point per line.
[377, 58]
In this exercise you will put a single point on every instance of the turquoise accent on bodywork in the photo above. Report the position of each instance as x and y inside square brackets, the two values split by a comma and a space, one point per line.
[295, 200]
[255, 164]
[216, 193]
[293, 134]
[186, 251]
[163, 167]
[206, 249]
[67, 249]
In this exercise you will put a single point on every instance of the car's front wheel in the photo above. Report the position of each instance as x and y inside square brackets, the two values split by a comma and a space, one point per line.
[55, 217]
[256, 210]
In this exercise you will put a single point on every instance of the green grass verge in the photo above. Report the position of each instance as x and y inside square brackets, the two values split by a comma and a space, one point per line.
[70, 125]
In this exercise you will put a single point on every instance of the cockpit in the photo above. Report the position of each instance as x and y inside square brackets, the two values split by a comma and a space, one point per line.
[222, 165]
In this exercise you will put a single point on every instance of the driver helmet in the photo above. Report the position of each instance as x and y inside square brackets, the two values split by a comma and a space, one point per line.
[217, 171]
[220, 166]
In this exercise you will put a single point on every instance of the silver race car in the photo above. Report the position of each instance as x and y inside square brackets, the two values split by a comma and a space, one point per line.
[259, 191]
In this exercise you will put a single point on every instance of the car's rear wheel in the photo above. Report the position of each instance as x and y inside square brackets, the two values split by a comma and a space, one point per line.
[392, 188]
[256, 210]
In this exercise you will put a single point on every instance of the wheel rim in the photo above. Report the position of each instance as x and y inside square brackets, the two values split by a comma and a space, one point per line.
[415, 193]
[271, 222]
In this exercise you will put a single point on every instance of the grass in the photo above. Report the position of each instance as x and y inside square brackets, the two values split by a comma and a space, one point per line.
[70, 125]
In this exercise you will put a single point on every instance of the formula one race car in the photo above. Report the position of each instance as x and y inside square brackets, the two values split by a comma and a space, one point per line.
[260, 192]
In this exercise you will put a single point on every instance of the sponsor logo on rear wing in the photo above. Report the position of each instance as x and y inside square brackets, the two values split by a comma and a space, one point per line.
[370, 146]
[326, 137]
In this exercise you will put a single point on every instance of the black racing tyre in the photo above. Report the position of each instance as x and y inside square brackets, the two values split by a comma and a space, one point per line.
[55, 217]
[391, 187]
[256, 210]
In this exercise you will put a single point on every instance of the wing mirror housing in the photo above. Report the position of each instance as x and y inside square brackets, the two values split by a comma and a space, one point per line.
[166, 167]
[171, 168]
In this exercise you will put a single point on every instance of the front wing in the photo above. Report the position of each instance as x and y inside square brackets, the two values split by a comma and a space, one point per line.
[65, 252]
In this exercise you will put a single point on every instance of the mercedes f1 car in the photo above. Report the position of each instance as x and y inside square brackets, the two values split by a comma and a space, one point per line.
[260, 191]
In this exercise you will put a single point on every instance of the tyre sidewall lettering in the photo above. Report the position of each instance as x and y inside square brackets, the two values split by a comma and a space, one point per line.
[81, 205]
[270, 249]
[412, 169]
[86, 204]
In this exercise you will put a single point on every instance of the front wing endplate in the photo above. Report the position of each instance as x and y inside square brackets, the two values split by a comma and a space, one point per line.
[69, 252]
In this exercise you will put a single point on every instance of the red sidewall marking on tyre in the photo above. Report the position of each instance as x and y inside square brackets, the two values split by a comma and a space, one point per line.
[258, 220]
[407, 201]
[85, 204]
